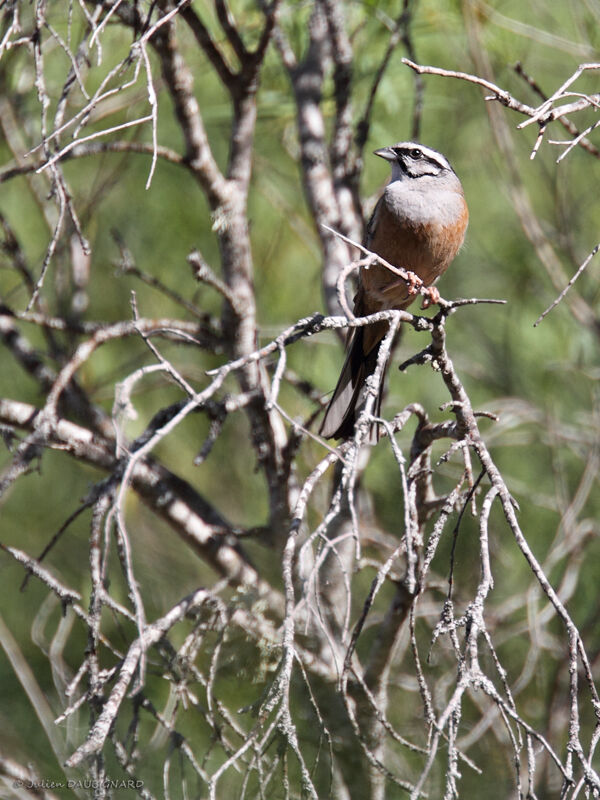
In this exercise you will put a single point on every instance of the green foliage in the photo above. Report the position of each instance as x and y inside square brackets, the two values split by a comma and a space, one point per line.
[541, 381]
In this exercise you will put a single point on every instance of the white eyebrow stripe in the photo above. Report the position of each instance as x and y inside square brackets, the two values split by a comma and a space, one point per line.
[432, 154]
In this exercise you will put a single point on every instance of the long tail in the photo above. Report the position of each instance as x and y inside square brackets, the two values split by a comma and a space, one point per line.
[349, 394]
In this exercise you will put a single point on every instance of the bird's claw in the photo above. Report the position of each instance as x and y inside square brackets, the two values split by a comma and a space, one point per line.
[432, 297]
[415, 283]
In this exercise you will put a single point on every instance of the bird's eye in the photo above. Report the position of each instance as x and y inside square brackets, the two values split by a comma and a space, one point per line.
[417, 153]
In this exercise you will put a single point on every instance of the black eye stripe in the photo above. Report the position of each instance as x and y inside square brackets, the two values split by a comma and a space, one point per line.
[407, 152]
[413, 152]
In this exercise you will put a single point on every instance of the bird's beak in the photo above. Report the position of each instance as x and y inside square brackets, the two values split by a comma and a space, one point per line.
[385, 152]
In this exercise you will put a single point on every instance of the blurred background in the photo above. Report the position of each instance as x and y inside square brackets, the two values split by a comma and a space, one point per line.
[532, 223]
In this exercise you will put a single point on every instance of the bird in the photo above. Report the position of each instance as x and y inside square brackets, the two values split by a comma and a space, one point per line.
[419, 224]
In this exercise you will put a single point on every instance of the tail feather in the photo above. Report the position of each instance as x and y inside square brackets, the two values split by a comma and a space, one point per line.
[349, 394]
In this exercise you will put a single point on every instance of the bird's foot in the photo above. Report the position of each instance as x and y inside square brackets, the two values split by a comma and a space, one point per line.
[431, 298]
[415, 284]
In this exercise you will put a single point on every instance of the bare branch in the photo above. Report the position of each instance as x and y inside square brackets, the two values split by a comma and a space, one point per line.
[568, 286]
